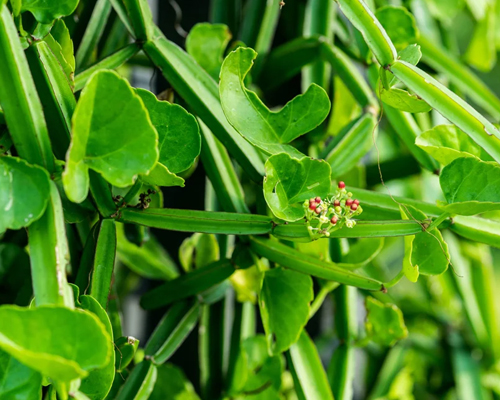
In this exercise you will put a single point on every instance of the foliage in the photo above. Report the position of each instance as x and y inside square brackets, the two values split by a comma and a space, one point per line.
[218, 195]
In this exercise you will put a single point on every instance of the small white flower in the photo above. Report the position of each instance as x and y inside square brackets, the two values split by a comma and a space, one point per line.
[349, 223]
[327, 234]
[310, 228]
[323, 219]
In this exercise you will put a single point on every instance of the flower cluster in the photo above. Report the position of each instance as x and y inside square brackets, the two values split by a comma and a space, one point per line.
[324, 216]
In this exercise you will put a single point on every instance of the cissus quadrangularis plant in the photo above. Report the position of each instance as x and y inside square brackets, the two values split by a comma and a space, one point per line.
[87, 161]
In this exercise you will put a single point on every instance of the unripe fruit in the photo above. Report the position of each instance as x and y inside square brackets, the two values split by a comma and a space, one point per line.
[349, 202]
[341, 185]
[338, 209]
[354, 207]
[336, 203]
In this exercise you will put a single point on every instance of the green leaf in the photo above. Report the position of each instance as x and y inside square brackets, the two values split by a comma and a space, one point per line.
[289, 182]
[427, 252]
[125, 351]
[179, 140]
[384, 322]
[361, 253]
[411, 54]
[98, 383]
[206, 43]
[447, 142]
[256, 369]
[470, 186]
[20, 180]
[266, 129]
[403, 100]
[17, 381]
[284, 305]
[308, 374]
[149, 260]
[161, 176]
[47, 11]
[67, 344]
[399, 24]
[171, 383]
[482, 52]
[111, 128]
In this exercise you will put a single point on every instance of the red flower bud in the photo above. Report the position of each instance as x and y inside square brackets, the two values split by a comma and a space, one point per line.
[354, 207]
[334, 220]
[349, 202]
[336, 203]
[312, 205]
[356, 202]
[341, 185]
[318, 199]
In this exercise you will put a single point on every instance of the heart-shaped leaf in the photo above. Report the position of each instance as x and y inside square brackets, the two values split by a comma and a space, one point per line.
[206, 43]
[284, 305]
[61, 343]
[384, 322]
[403, 100]
[179, 140]
[112, 134]
[425, 253]
[470, 186]
[20, 180]
[266, 129]
[47, 11]
[289, 181]
[447, 143]
[17, 381]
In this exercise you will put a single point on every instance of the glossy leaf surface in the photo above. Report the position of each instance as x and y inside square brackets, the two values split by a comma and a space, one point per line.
[268, 130]
[20, 180]
[284, 305]
[110, 128]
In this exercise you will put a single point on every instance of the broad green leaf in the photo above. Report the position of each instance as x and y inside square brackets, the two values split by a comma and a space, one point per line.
[308, 374]
[20, 180]
[411, 54]
[47, 11]
[361, 253]
[399, 24]
[161, 176]
[206, 43]
[447, 142]
[284, 305]
[427, 253]
[67, 344]
[403, 100]
[246, 284]
[255, 368]
[17, 381]
[98, 383]
[384, 322]
[111, 128]
[482, 52]
[172, 384]
[179, 140]
[470, 186]
[289, 181]
[149, 260]
[266, 129]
